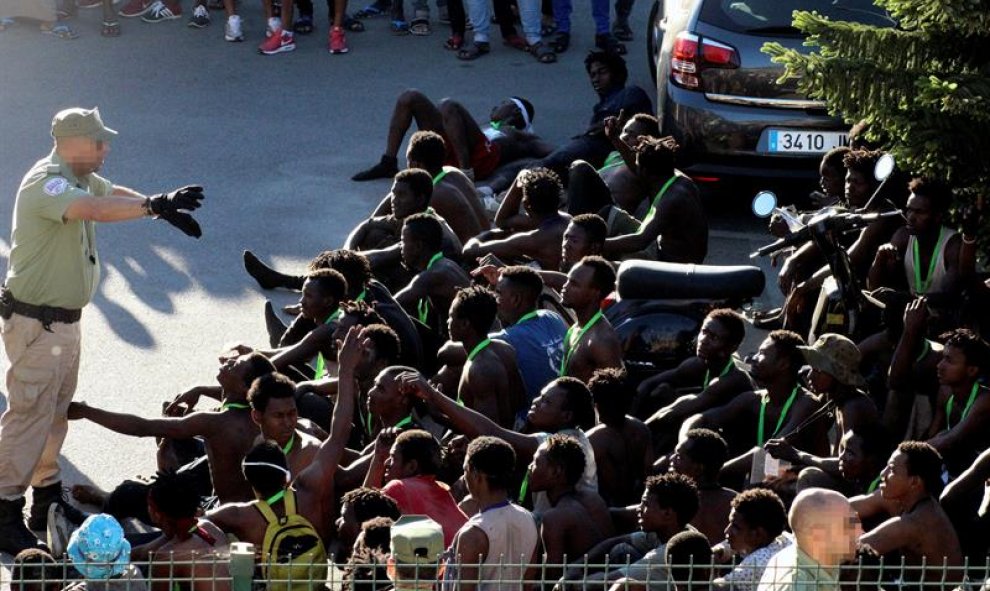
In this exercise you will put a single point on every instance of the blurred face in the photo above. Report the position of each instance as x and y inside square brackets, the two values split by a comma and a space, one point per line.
[233, 373]
[574, 247]
[547, 412]
[713, 340]
[507, 113]
[651, 515]
[858, 188]
[765, 365]
[895, 482]
[578, 290]
[920, 216]
[541, 472]
[846, 539]
[742, 538]
[86, 154]
[404, 201]
[631, 133]
[852, 459]
[832, 181]
[952, 368]
[601, 77]
[279, 420]
[820, 382]
[348, 527]
[457, 326]
[315, 306]
[411, 249]
[384, 394]
[396, 468]
[507, 301]
[682, 462]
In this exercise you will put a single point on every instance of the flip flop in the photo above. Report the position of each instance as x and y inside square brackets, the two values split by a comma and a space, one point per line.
[64, 32]
[454, 43]
[474, 51]
[370, 11]
[399, 27]
[110, 29]
[420, 27]
[543, 53]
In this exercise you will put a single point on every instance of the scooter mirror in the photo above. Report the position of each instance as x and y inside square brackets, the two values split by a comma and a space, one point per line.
[763, 203]
[884, 167]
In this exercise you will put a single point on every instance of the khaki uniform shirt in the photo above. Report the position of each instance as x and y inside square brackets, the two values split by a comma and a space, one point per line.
[54, 262]
[793, 570]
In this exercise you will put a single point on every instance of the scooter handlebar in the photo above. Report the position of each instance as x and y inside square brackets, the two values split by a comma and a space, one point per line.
[840, 221]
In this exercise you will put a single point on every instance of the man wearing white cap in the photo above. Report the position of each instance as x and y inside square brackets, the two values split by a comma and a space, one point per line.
[416, 543]
[52, 274]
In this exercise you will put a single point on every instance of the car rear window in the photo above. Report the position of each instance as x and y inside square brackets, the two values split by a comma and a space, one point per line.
[774, 17]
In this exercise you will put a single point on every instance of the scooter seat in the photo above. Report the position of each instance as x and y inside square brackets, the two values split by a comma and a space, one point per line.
[651, 280]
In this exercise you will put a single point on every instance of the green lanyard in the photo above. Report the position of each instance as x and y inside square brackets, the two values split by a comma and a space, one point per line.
[527, 316]
[288, 446]
[275, 497]
[478, 349]
[966, 409]
[495, 125]
[406, 421]
[321, 363]
[570, 342]
[780, 421]
[230, 405]
[614, 159]
[920, 286]
[874, 484]
[439, 177]
[725, 370]
[423, 306]
[656, 201]
[524, 487]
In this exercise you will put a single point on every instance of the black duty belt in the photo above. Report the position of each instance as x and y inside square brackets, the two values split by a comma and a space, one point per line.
[46, 314]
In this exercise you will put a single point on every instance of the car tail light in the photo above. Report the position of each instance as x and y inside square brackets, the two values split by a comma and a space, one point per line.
[692, 54]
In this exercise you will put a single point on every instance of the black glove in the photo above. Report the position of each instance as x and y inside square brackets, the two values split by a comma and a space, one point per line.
[183, 221]
[187, 198]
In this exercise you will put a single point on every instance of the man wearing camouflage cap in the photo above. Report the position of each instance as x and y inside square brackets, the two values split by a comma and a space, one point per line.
[52, 274]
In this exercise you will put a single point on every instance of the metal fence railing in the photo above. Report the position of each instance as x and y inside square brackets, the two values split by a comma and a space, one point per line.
[243, 572]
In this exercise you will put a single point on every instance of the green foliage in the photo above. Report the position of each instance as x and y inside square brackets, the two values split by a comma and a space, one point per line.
[923, 87]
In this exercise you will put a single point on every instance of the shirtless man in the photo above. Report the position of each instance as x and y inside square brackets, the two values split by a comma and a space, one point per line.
[534, 232]
[273, 408]
[615, 183]
[190, 549]
[959, 429]
[228, 433]
[590, 343]
[315, 495]
[921, 531]
[509, 135]
[675, 228]
[429, 294]
[755, 417]
[622, 444]
[700, 456]
[490, 382]
[577, 519]
[712, 370]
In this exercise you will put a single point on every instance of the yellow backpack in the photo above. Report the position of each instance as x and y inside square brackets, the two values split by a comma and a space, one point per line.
[293, 555]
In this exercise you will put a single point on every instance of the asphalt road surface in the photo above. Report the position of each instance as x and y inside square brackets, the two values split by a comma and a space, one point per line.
[274, 141]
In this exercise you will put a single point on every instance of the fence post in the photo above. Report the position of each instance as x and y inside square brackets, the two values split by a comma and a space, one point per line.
[241, 566]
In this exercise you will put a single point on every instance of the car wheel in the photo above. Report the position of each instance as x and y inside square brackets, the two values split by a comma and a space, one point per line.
[654, 37]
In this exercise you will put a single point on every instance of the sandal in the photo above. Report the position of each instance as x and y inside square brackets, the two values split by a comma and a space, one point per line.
[420, 26]
[543, 53]
[371, 11]
[110, 29]
[399, 27]
[454, 43]
[548, 29]
[516, 42]
[474, 51]
[64, 32]
[303, 25]
[608, 42]
[560, 42]
[352, 24]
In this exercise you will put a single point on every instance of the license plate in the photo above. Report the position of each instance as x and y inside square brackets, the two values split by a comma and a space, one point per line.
[804, 141]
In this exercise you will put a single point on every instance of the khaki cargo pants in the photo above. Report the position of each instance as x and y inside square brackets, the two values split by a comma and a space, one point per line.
[44, 368]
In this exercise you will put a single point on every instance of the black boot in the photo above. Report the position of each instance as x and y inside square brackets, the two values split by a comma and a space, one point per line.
[274, 325]
[14, 535]
[267, 277]
[45, 496]
[386, 168]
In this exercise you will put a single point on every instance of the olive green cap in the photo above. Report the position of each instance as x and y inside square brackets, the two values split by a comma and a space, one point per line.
[78, 122]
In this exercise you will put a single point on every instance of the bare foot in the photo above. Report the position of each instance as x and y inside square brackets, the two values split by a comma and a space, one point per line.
[89, 495]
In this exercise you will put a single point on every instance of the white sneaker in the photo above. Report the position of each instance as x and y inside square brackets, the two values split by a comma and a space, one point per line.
[274, 24]
[59, 530]
[232, 32]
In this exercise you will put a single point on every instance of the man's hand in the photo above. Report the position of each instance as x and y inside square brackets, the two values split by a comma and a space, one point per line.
[916, 316]
[887, 258]
[188, 399]
[235, 351]
[780, 449]
[352, 350]
[384, 441]
[187, 198]
[489, 273]
[77, 410]
[413, 382]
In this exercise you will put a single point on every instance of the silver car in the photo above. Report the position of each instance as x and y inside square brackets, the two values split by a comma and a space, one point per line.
[717, 92]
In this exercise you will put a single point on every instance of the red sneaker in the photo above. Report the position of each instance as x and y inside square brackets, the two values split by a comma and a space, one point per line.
[135, 8]
[338, 42]
[280, 42]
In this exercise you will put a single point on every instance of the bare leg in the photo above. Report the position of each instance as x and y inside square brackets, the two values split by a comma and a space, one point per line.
[339, 12]
[462, 130]
[411, 104]
[111, 26]
[228, 7]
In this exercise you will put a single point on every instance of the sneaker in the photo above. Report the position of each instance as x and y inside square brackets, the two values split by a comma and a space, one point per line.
[274, 24]
[59, 530]
[338, 41]
[232, 31]
[135, 8]
[280, 42]
[160, 11]
[200, 17]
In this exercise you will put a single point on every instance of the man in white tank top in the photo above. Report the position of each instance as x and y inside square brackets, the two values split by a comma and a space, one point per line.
[491, 551]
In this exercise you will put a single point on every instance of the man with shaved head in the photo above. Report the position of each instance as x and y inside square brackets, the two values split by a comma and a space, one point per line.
[825, 530]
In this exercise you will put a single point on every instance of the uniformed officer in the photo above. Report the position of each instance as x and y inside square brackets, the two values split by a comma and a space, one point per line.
[53, 272]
